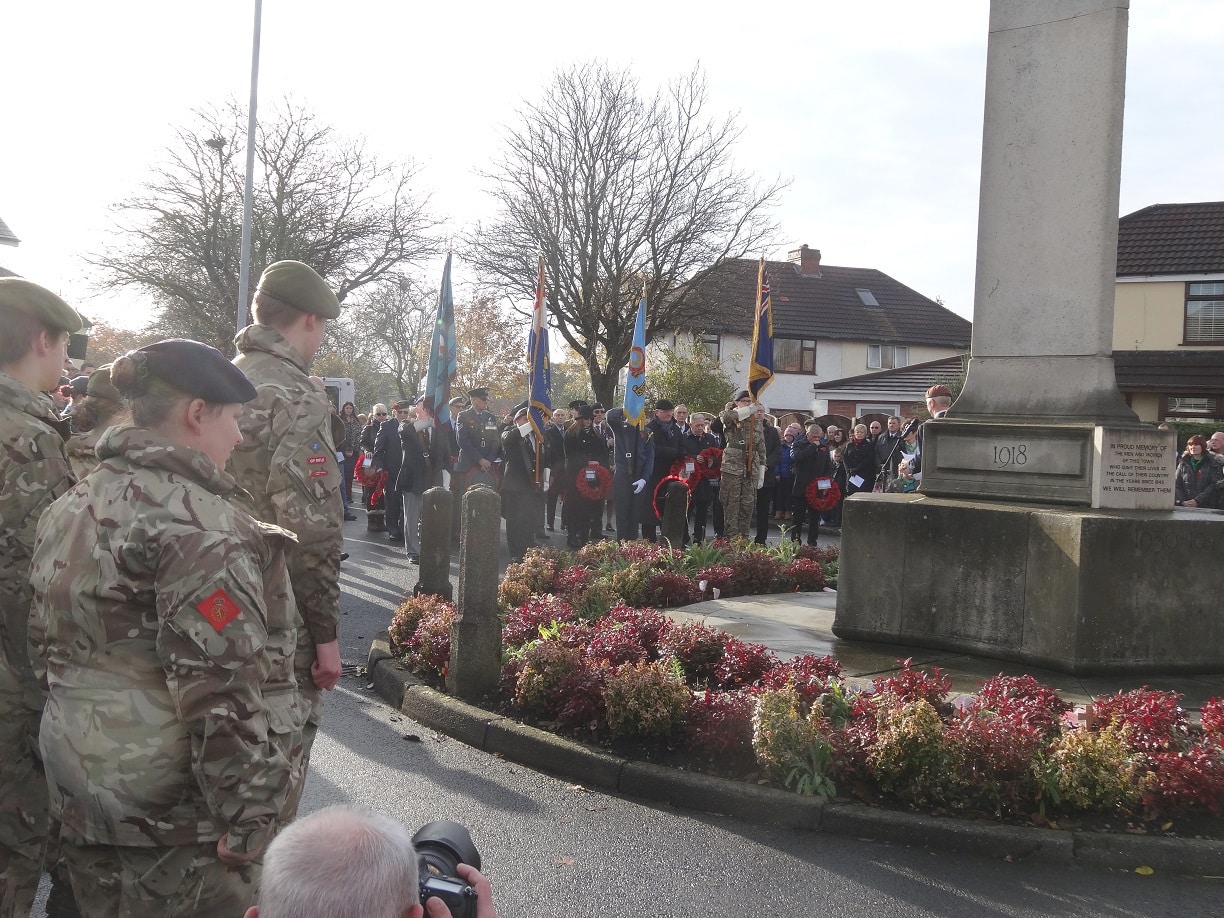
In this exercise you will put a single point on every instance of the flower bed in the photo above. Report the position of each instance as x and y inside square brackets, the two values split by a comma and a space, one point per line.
[589, 654]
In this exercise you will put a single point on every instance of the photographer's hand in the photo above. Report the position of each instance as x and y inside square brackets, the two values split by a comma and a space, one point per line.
[436, 908]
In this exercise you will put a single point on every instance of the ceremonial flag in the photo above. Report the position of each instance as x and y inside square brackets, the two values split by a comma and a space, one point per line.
[539, 372]
[443, 353]
[635, 375]
[760, 367]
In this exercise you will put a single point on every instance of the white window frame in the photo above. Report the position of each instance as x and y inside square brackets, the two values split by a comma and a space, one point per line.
[876, 356]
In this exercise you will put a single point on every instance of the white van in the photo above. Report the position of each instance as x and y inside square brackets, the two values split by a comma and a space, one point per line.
[340, 390]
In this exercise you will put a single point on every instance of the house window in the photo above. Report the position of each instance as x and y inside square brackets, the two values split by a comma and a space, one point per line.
[712, 345]
[887, 356]
[794, 355]
[1190, 407]
[1205, 313]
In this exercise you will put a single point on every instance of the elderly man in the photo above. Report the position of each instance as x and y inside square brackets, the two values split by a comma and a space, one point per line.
[938, 400]
[1215, 446]
[668, 444]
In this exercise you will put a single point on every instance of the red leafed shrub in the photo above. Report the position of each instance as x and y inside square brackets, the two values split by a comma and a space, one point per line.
[659, 557]
[627, 635]
[1213, 720]
[581, 693]
[1181, 781]
[427, 652]
[990, 759]
[1156, 720]
[809, 674]
[408, 617]
[720, 724]
[821, 554]
[572, 581]
[909, 684]
[1021, 700]
[717, 577]
[668, 590]
[536, 570]
[853, 741]
[699, 649]
[523, 623]
[803, 575]
[754, 572]
[742, 665]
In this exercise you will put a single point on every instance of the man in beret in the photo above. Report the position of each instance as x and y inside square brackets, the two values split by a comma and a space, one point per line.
[34, 471]
[287, 463]
[668, 447]
[938, 400]
[479, 437]
[389, 458]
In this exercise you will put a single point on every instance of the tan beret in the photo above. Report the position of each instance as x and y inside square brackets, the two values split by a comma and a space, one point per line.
[299, 286]
[26, 296]
[100, 385]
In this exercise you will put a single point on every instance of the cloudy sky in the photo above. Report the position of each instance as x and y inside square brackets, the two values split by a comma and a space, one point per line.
[872, 110]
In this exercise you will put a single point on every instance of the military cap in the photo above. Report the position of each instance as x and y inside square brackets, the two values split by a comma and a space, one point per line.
[742, 393]
[80, 385]
[418, 400]
[403, 405]
[664, 405]
[100, 385]
[479, 392]
[576, 404]
[598, 406]
[198, 369]
[457, 400]
[939, 391]
[585, 411]
[28, 297]
[299, 286]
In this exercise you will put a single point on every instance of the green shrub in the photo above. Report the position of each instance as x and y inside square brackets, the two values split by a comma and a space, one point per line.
[782, 734]
[595, 600]
[909, 758]
[644, 700]
[1089, 770]
[632, 583]
[545, 664]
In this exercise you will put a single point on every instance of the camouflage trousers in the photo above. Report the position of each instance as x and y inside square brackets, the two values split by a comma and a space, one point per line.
[180, 882]
[23, 798]
[738, 496]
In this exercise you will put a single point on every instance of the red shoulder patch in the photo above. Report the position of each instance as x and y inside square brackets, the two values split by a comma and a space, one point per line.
[219, 609]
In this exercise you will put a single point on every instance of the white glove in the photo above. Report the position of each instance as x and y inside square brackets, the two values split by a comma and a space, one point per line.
[639, 485]
[760, 477]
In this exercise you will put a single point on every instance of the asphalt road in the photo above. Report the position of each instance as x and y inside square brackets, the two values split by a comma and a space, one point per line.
[552, 848]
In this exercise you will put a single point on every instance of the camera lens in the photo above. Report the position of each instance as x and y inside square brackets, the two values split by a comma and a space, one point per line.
[443, 845]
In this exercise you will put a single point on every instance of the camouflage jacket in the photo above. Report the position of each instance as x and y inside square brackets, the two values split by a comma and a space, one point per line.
[735, 454]
[34, 471]
[287, 463]
[80, 450]
[163, 629]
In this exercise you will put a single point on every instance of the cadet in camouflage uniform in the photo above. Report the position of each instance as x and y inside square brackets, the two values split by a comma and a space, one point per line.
[90, 419]
[741, 469]
[164, 630]
[33, 472]
[287, 461]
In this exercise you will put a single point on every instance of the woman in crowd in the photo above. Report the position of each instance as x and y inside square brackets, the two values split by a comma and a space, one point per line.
[784, 487]
[1198, 476]
[350, 446]
[90, 419]
[164, 629]
[859, 458]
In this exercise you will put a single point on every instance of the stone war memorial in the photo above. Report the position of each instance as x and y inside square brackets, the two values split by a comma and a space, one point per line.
[1044, 531]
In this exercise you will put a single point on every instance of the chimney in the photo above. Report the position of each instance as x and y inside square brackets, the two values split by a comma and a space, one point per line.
[807, 259]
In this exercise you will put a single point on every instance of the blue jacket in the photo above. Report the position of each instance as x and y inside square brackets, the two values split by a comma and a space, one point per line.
[634, 453]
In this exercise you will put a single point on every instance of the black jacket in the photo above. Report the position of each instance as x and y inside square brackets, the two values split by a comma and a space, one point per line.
[423, 458]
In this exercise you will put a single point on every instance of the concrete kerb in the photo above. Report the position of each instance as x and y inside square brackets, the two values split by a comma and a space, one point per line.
[757, 805]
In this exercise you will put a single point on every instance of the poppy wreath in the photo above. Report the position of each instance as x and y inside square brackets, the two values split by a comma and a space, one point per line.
[597, 490]
[822, 500]
[378, 482]
[713, 456]
[677, 471]
[660, 491]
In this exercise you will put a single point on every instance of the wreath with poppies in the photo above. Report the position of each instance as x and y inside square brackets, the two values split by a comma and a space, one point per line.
[660, 491]
[822, 500]
[710, 468]
[374, 483]
[598, 489]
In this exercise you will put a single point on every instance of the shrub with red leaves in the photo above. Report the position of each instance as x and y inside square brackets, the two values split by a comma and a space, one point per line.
[408, 617]
[668, 590]
[803, 575]
[718, 577]
[427, 651]
[522, 624]
[853, 741]
[659, 557]
[1213, 720]
[582, 697]
[743, 665]
[909, 684]
[754, 572]
[1156, 720]
[720, 724]
[572, 581]
[991, 760]
[1021, 700]
[811, 676]
[628, 635]
[1184, 780]
[821, 554]
[699, 649]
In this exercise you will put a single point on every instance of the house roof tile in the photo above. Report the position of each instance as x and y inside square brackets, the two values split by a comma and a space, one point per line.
[827, 305]
[916, 378]
[1172, 239]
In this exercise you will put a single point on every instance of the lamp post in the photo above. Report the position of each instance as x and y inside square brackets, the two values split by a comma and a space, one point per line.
[244, 269]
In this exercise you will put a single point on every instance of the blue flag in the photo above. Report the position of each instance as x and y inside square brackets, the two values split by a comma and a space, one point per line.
[760, 367]
[635, 376]
[539, 373]
[443, 357]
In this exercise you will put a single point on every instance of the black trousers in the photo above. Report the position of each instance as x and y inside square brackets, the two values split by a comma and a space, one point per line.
[523, 510]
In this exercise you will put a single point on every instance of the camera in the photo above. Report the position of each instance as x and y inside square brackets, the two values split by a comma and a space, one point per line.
[442, 846]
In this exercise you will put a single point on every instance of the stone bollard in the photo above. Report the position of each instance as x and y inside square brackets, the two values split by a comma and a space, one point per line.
[675, 514]
[475, 660]
[434, 578]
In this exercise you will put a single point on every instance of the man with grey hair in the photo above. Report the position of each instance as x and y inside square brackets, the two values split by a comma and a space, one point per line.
[1215, 446]
[348, 862]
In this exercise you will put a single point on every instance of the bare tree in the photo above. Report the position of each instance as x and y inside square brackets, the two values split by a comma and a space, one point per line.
[319, 198]
[618, 192]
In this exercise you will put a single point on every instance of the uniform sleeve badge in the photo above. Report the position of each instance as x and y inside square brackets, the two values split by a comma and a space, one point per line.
[219, 610]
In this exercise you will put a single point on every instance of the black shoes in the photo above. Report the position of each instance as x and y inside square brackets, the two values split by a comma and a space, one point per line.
[414, 559]
[344, 556]
[395, 537]
[349, 518]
